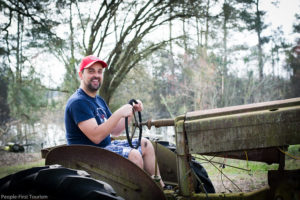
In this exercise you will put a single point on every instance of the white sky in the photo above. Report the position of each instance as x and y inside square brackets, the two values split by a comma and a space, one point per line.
[284, 15]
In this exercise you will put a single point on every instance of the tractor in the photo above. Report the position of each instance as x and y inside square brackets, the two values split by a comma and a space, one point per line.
[255, 132]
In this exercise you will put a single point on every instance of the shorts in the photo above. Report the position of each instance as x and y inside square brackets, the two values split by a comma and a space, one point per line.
[122, 147]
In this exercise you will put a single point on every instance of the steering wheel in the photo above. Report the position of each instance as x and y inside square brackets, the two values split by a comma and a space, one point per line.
[135, 124]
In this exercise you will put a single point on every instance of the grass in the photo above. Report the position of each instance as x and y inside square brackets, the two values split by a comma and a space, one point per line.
[6, 170]
[243, 166]
[294, 150]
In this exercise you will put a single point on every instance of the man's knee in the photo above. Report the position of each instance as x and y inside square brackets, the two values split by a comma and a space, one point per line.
[145, 142]
[136, 157]
[146, 145]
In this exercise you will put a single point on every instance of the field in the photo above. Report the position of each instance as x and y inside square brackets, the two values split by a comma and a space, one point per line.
[243, 176]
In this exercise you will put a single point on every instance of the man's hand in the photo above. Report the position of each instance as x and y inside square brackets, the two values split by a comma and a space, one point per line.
[139, 106]
[125, 110]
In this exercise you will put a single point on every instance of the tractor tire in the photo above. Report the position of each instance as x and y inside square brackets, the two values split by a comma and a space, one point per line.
[55, 182]
[201, 173]
[198, 169]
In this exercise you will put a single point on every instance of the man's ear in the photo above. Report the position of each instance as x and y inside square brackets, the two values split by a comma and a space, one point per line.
[80, 74]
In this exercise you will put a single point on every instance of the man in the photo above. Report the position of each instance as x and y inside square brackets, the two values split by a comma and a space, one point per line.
[89, 121]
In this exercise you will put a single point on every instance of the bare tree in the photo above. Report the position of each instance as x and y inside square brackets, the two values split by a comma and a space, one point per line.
[131, 22]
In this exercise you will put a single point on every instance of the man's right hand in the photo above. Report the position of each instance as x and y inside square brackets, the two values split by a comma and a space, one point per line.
[126, 110]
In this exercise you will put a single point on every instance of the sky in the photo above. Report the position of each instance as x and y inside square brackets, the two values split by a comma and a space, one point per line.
[283, 15]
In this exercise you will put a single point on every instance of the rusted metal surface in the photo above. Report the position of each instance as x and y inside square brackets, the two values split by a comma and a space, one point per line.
[261, 194]
[45, 151]
[185, 179]
[250, 132]
[128, 180]
[267, 155]
[167, 164]
[244, 131]
[158, 123]
[284, 184]
[271, 105]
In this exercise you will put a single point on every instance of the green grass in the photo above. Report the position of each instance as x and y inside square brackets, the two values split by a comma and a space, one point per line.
[294, 150]
[6, 170]
[250, 165]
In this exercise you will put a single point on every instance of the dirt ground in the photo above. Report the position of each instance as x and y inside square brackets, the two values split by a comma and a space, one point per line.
[9, 158]
[239, 182]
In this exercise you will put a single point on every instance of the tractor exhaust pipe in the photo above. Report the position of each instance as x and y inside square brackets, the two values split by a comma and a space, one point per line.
[158, 123]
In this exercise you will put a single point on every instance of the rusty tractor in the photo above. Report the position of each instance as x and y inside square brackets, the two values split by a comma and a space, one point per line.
[262, 130]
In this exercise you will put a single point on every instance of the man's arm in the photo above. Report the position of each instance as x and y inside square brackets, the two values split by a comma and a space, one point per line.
[120, 127]
[96, 133]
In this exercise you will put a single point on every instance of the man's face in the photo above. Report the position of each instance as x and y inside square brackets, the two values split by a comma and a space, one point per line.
[92, 77]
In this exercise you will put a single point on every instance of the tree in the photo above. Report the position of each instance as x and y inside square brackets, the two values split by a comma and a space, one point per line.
[253, 17]
[122, 27]
[279, 47]
[296, 27]
[21, 33]
[4, 109]
[293, 62]
[230, 21]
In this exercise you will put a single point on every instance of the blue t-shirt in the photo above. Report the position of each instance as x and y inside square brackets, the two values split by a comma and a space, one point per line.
[81, 107]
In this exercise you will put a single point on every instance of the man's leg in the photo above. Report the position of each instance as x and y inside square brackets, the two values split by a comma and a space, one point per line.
[136, 157]
[122, 148]
[144, 157]
[149, 158]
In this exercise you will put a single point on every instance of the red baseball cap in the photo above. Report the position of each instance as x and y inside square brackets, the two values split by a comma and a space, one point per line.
[89, 61]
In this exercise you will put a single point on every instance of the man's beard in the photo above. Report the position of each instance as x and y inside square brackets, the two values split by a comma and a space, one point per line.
[93, 88]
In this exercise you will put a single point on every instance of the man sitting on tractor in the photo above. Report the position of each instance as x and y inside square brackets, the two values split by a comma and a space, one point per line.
[89, 121]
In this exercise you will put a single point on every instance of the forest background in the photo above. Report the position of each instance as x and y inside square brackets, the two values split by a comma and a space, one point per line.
[176, 56]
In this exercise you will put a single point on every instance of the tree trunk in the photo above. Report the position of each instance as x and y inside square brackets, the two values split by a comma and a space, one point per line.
[199, 34]
[72, 66]
[259, 46]
[170, 31]
[225, 59]
[207, 23]
[106, 88]
[184, 36]
[18, 83]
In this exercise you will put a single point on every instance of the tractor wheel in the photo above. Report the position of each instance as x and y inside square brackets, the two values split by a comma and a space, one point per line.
[199, 171]
[55, 182]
